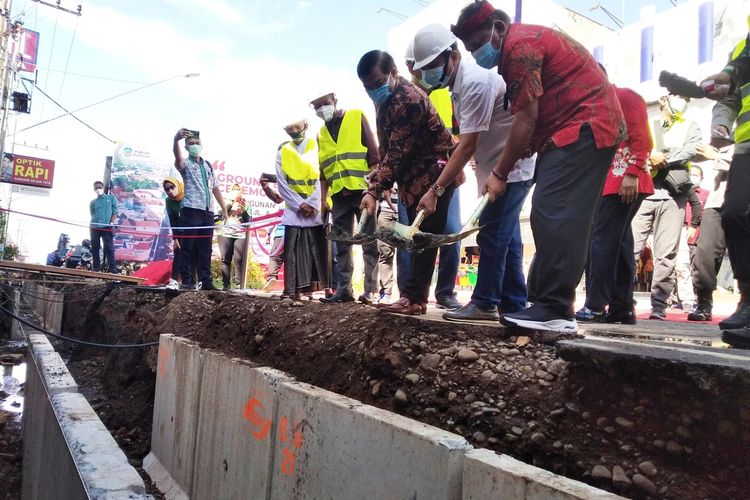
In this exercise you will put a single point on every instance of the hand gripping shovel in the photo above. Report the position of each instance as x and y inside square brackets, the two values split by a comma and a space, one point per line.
[359, 237]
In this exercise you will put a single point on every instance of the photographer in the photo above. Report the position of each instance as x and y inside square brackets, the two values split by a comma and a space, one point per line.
[197, 210]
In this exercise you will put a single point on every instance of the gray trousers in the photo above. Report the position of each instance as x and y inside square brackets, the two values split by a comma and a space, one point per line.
[709, 252]
[664, 219]
[345, 213]
[387, 253]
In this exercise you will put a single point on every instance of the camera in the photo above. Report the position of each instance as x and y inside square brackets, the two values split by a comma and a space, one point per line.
[268, 177]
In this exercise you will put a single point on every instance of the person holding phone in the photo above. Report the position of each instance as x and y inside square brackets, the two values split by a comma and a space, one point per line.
[197, 211]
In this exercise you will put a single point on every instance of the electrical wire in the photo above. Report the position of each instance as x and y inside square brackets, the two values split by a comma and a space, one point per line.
[67, 61]
[51, 53]
[79, 341]
[46, 299]
[71, 114]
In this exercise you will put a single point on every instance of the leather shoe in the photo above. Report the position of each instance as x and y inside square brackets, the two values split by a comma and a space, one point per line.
[472, 312]
[336, 297]
[739, 319]
[738, 337]
[624, 316]
[448, 302]
[405, 306]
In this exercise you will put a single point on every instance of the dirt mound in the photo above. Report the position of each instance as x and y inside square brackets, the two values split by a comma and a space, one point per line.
[638, 436]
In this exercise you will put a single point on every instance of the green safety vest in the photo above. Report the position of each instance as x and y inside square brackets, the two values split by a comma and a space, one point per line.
[301, 170]
[344, 162]
[742, 129]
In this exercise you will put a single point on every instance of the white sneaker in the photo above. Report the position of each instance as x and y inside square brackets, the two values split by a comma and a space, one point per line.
[173, 285]
[385, 299]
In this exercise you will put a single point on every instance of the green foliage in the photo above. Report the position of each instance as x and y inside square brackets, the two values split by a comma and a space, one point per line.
[11, 252]
[129, 185]
[255, 277]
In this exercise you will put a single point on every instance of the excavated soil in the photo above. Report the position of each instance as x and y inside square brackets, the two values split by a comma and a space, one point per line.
[640, 436]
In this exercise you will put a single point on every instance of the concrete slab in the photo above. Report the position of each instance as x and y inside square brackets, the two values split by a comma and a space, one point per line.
[178, 381]
[488, 475]
[234, 438]
[330, 446]
[101, 464]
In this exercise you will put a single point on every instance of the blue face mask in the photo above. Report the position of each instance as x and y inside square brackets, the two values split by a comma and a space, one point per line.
[433, 78]
[381, 94]
[488, 56]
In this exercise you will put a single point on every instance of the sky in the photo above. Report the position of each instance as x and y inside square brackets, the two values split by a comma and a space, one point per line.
[260, 62]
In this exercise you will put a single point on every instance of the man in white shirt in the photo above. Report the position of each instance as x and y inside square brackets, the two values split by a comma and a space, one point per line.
[478, 95]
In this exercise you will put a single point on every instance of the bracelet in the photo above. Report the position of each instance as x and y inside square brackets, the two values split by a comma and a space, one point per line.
[500, 176]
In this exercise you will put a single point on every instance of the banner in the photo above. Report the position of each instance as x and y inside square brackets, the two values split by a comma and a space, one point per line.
[28, 50]
[143, 234]
[27, 170]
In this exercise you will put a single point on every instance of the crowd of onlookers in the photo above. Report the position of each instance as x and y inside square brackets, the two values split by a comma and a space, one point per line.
[533, 109]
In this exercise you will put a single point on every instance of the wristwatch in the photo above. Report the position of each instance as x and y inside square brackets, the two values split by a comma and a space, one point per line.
[438, 190]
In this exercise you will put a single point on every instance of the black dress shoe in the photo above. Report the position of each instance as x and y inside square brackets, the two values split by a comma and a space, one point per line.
[624, 316]
[739, 319]
[337, 298]
[739, 337]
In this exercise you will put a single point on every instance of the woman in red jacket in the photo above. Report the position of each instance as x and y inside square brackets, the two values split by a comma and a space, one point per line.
[611, 266]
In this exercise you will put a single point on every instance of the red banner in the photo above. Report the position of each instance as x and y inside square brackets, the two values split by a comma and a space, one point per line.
[28, 50]
[26, 170]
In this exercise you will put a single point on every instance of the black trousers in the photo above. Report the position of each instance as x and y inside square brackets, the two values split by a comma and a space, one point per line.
[709, 252]
[109, 250]
[611, 267]
[569, 183]
[735, 216]
[417, 288]
[196, 245]
[232, 251]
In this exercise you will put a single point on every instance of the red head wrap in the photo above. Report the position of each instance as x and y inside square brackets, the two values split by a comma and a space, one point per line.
[465, 29]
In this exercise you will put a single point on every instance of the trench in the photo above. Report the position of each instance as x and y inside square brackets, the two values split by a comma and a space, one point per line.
[649, 430]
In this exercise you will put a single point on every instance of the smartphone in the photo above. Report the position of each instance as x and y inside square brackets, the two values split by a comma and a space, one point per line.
[193, 133]
[268, 177]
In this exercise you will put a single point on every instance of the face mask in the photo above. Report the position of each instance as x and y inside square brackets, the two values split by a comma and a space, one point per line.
[326, 112]
[488, 56]
[297, 137]
[436, 78]
[381, 94]
[695, 180]
[99, 191]
[194, 150]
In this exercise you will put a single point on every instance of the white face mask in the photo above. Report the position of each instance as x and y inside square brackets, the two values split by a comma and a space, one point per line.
[695, 180]
[99, 191]
[326, 113]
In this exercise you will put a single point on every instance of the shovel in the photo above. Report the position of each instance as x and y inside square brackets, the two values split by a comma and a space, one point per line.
[421, 241]
[401, 235]
[359, 237]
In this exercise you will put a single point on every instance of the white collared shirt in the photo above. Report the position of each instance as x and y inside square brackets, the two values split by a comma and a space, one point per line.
[477, 95]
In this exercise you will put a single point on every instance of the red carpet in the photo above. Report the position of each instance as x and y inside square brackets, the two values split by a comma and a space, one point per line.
[156, 273]
[678, 316]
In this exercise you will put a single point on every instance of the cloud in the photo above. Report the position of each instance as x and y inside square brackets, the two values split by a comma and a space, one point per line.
[219, 9]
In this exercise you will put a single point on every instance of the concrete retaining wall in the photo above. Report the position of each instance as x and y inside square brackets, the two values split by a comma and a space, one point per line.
[46, 303]
[68, 452]
[226, 428]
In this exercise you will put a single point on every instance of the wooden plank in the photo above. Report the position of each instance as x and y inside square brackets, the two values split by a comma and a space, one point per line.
[62, 271]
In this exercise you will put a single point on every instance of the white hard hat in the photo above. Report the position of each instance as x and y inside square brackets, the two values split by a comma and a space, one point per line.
[430, 42]
[409, 56]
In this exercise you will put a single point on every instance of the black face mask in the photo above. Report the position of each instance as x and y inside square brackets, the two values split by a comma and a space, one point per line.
[298, 136]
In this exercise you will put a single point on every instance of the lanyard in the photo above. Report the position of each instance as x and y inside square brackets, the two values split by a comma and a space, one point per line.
[205, 183]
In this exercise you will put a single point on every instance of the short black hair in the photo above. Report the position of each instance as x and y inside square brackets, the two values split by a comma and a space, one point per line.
[98, 183]
[379, 58]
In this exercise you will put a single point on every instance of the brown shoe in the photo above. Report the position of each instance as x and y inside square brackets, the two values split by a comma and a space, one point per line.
[404, 306]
